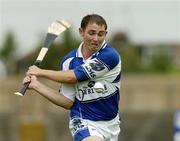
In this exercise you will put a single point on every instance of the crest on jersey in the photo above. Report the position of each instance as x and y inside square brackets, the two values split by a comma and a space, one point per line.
[94, 67]
[97, 66]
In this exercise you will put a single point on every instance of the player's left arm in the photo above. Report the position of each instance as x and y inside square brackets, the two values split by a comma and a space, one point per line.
[52, 95]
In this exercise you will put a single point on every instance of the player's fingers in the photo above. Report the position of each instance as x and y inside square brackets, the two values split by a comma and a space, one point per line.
[28, 73]
[33, 77]
[26, 79]
[33, 70]
[33, 67]
[34, 82]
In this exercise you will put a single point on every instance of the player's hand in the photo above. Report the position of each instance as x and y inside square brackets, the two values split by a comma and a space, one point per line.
[33, 70]
[27, 79]
[32, 80]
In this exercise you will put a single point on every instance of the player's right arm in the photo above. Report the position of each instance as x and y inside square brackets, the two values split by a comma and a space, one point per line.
[93, 68]
[58, 76]
[52, 95]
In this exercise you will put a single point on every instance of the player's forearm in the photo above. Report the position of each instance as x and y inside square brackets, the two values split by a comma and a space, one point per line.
[53, 96]
[60, 76]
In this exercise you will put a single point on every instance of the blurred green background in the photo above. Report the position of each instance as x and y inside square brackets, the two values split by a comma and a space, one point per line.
[149, 86]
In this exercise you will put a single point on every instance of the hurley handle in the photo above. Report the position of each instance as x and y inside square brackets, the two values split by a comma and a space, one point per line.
[24, 87]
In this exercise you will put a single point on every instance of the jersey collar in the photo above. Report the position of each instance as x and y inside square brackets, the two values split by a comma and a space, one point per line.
[79, 50]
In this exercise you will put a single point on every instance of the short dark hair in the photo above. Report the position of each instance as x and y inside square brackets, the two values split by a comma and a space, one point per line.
[93, 18]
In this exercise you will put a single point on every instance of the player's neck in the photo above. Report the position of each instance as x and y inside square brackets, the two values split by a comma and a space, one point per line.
[86, 52]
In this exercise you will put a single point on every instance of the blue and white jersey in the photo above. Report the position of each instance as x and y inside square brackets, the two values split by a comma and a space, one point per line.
[105, 67]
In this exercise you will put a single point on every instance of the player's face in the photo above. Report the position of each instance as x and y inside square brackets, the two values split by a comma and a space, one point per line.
[93, 36]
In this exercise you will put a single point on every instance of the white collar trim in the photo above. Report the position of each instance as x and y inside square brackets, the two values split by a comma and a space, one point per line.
[79, 50]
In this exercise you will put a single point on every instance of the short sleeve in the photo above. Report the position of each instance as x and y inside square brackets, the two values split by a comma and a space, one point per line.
[68, 90]
[91, 69]
[98, 66]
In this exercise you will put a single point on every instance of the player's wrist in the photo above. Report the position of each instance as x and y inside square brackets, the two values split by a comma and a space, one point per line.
[36, 85]
[42, 73]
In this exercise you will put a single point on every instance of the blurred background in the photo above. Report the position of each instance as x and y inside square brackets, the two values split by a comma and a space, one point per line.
[145, 32]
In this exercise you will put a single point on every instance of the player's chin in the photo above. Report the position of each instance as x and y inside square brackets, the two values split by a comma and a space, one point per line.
[95, 47]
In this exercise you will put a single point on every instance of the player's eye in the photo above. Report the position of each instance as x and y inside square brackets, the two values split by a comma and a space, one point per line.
[102, 33]
[91, 33]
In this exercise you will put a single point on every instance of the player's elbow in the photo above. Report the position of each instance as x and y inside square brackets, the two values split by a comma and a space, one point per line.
[71, 77]
[71, 80]
[68, 105]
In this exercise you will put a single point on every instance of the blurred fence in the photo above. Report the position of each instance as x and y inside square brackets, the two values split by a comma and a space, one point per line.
[153, 93]
[147, 103]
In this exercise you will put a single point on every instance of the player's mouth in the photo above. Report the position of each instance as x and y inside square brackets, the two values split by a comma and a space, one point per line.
[95, 45]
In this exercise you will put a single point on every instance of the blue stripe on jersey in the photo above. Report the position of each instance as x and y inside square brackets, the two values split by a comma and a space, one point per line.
[69, 55]
[79, 136]
[117, 79]
[109, 56]
[177, 130]
[76, 62]
[81, 74]
[101, 108]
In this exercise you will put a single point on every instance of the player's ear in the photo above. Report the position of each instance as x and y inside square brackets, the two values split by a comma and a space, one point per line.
[81, 31]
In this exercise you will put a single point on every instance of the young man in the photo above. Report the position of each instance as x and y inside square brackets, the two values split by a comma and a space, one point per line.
[93, 111]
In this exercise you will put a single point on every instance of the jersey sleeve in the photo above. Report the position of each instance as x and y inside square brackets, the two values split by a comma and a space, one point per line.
[97, 66]
[68, 90]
